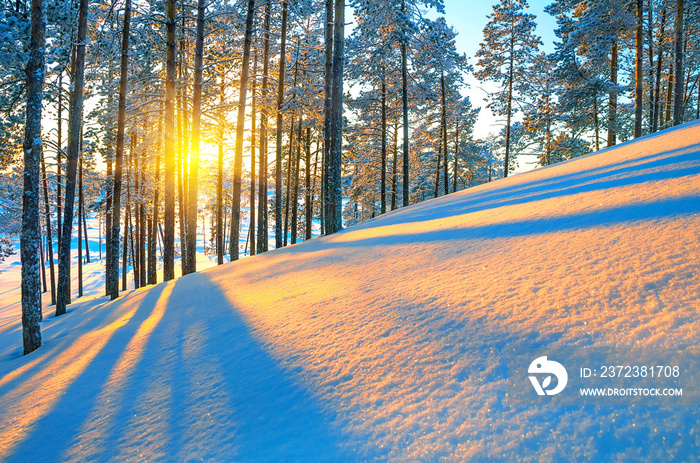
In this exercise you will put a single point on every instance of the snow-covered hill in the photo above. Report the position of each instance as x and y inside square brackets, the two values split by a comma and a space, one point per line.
[390, 339]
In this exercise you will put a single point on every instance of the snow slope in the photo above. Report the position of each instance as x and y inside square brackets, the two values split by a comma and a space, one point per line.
[388, 340]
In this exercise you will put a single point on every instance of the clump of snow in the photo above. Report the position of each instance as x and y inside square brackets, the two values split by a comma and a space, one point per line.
[388, 340]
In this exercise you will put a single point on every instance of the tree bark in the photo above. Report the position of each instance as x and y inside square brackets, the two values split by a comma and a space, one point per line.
[327, 114]
[63, 296]
[113, 245]
[169, 132]
[404, 104]
[678, 98]
[29, 239]
[657, 85]
[191, 220]
[280, 101]
[612, 105]
[382, 183]
[49, 239]
[238, 156]
[334, 219]
[220, 231]
[253, 141]
[444, 132]
[262, 184]
[638, 88]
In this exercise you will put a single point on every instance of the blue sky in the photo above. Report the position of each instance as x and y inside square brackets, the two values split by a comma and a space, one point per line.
[468, 18]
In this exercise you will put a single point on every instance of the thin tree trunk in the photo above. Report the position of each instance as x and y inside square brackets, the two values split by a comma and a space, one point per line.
[220, 230]
[395, 160]
[612, 105]
[596, 123]
[444, 132]
[42, 260]
[153, 231]
[290, 160]
[638, 88]
[295, 188]
[59, 149]
[678, 99]
[669, 94]
[113, 278]
[280, 101]
[308, 204]
[456, 157]
[327, 114]
[238, 157]
[191, 223]
[142, 220]
[125, 245]
[404, 104]
[335, 187]
[382, 183]
[437, 172]
[262, 184]
[657, 86]
[253, 141]
[509, 109]
[63, 296]
[80, 228]
[169, 113]
[49, 239]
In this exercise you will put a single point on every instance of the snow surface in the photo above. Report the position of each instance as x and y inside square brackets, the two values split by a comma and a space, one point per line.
[386, 341]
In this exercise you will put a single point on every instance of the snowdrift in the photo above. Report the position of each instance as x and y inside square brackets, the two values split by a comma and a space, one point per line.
[387, 341]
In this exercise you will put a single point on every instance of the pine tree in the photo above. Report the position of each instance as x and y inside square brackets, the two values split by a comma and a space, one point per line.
[29, 240]
[509, 45]
[75, 114]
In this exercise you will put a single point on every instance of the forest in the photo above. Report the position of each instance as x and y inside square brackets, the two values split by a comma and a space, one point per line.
[296, 118]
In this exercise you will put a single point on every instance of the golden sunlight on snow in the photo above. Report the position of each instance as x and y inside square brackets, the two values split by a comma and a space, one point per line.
[388, 340]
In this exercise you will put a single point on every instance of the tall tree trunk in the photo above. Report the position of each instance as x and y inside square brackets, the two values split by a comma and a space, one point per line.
[596, 123]
[280, 101]
[657, 85]
[262, 184]
[394, 166]
[638, 87]
[183, 147]
[113, 244]
[63, 296]
[80, 228]
[612, 105]
[295, 186]
[220, 230]
[509, 109]
[669, 94]
[456, 157]
[169, 132]
[191, 221]
[678, 98]
[253, 141]
[444, 131]
[382, 183]
[108, 225]
[335, 187]
[125, 244]
[404, 104]
[59, 160]
[238, 156]
[49, 239]
[437, 172]
[153, 230]
[308, 199]
[290, 160]
[29, 239]
[327, 114]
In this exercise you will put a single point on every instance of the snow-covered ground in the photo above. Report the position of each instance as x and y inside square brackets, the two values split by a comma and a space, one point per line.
[388, 340]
